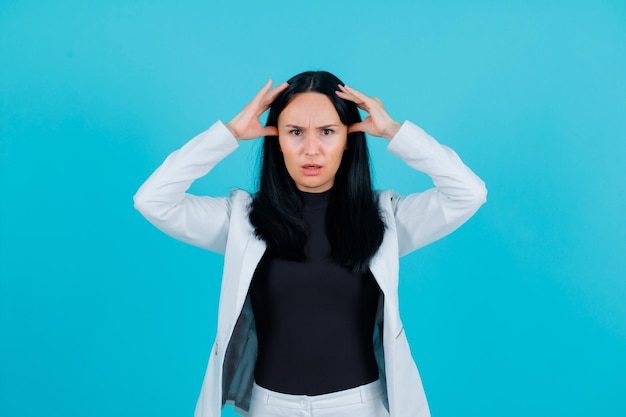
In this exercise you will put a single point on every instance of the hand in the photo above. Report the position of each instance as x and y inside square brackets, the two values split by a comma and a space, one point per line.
[246, 124]
[378, 123]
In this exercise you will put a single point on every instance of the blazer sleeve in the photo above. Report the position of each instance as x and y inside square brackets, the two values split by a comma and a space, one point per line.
[163, 199]
[422, 218]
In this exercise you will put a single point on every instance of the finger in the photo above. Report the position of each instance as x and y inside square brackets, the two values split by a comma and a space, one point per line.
[265, 89]
[270, 131]
[356, 93]
[269, 98]
[356, 127]
[362, 101]
[343, 91]
[352, 98]
[281, 87]
[272, 94]
[258, 97]
[346, 95]
[266, 96]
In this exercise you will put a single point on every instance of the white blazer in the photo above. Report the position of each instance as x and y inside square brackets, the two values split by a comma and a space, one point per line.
[220, 224]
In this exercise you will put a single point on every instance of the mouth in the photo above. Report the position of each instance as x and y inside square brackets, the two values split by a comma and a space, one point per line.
[311, 169]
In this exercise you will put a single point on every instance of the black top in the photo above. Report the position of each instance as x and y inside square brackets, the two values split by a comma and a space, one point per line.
[314, 319]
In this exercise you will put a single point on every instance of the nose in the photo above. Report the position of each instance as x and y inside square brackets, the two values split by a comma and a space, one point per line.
[311, 145]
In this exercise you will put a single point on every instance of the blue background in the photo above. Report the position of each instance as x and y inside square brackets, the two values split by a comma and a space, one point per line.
[520, 312]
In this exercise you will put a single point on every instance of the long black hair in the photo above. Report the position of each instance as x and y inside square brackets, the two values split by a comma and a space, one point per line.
[354, 225]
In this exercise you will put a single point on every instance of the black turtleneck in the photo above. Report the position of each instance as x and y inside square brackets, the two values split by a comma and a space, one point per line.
[315, 318]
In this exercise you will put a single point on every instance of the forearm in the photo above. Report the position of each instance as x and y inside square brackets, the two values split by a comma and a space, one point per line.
[163, 197]
[424, 217]
[449, 174]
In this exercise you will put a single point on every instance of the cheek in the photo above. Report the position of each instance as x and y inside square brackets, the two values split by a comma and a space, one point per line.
[284, 149]
[289, 145]
[338, 152]
[290, 158]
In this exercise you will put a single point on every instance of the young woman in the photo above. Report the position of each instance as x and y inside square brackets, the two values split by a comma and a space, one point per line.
[308, 321]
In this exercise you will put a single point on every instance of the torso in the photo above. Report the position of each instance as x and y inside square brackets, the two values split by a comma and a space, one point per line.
[314, 319]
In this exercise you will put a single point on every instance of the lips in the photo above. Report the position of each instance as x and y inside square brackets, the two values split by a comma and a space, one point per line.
[311, 169]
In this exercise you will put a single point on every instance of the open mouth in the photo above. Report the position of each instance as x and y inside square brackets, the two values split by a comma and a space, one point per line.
[311, 169]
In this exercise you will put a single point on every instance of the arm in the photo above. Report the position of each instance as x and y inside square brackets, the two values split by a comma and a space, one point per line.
[422, 218]
[164, 202]
[201, 221]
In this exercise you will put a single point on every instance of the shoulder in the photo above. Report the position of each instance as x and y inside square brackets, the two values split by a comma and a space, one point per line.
[387, 200]
[239, 197]
[386, 196]
[238, 193]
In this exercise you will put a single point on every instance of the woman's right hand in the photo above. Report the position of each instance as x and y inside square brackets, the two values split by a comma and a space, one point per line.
[246, 124]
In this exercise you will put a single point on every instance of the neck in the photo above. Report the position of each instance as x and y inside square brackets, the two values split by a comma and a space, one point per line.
[315, 200]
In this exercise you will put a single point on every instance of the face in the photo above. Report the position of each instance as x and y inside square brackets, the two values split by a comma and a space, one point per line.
[312, 140]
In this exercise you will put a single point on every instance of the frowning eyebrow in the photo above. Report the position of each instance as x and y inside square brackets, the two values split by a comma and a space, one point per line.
[321, 127]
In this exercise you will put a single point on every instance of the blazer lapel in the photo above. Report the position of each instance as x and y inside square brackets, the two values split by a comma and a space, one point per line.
[255, 248]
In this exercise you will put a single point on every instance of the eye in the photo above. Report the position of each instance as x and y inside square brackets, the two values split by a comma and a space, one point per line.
[327, 132]
[295, 132]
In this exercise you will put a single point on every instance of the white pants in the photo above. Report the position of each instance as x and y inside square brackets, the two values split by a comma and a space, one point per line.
[364, 401]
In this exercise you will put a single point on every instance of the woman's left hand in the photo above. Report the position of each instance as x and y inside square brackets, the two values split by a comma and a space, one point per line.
[378, 123]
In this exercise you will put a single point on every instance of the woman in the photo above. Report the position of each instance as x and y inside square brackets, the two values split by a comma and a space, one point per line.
[308, 321]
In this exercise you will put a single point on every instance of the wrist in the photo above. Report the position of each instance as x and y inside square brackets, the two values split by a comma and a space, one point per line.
[230, 127]
[391, 130]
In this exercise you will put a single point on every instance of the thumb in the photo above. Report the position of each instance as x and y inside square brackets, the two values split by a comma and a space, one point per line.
[356, 127]
[270, 131]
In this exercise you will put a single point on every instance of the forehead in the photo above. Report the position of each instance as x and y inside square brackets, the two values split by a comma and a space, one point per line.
[309, 109]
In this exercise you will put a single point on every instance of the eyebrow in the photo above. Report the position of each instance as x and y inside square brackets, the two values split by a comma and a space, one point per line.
[320, 127]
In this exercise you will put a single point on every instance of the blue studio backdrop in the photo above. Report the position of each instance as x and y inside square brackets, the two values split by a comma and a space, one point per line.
[520, 312]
